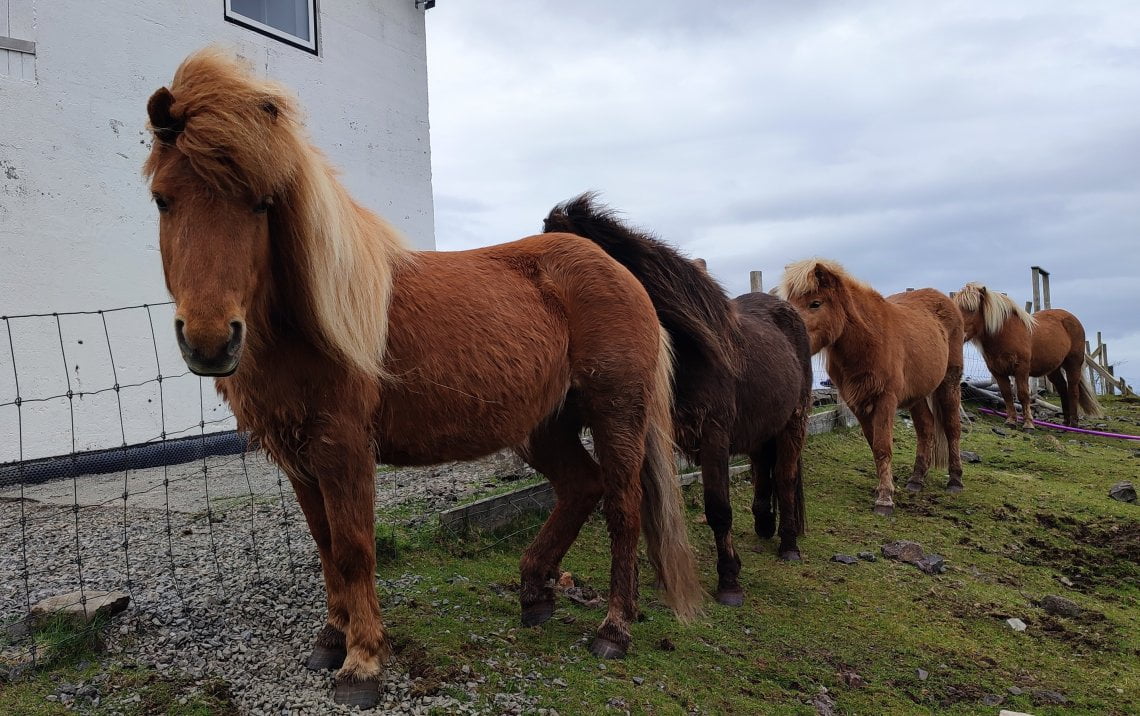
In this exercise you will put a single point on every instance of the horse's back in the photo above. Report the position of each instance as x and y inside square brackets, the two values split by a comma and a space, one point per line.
[1057, 336]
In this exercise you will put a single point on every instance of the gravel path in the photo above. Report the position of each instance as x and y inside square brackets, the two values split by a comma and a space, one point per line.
[240, 595]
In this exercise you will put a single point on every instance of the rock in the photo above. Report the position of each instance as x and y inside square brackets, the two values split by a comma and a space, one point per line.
[639, 680]
[932, 564]
[71, 606]
[1045, 697]
[1015, 624]
[922, 674]
[867, 556]
[823, 703]
[844, 559]
[1065, 581]
[999, 431]
[851, 679]
[1015, 691]
[1060, 606]
[972, 457]
[991, 700]
[1005, 712]
[903, 551]
[1123, 492]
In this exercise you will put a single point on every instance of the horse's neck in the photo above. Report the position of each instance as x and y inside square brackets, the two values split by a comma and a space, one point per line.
[854, 352]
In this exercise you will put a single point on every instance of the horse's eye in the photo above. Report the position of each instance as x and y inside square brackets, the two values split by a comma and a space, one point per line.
[815, 304]
[263, 205]
[161, 203]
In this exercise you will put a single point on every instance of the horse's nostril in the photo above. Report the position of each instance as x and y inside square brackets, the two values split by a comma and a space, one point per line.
[237, 328]
[179, 324]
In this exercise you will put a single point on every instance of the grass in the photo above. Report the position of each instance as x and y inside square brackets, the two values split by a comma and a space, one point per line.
[1035, 511]
[1034, 518]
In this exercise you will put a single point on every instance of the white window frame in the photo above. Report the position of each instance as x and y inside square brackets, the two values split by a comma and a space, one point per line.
[309, 45]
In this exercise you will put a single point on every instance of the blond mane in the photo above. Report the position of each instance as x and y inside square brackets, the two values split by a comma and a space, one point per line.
[243, 135]
[800, 278]
[996, 307]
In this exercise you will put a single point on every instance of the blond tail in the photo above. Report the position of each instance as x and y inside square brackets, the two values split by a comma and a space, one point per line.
[1087, 398]
[662, 508]
[941, 459]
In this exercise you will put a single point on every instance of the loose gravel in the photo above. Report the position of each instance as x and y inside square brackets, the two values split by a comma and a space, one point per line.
[226, 588]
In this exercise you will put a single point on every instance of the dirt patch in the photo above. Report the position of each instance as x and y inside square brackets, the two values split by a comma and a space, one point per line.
[1091, 554]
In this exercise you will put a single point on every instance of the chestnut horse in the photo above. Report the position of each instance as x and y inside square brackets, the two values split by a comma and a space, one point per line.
[337, 346]
[742, 385]
[1014, 343]
[903, 351]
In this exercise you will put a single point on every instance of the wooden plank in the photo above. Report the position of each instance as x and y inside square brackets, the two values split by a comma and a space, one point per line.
[1036, 270]
[1045, 289]
[493, 512]
[756, 278]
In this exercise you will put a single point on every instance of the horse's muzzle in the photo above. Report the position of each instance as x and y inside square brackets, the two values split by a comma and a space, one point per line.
[218, 363]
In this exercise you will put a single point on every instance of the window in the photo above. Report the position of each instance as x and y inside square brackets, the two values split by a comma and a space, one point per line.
[291, 21]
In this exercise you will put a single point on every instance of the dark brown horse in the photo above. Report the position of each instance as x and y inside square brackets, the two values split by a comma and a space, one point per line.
[742, 384]
[336, 346]
[1014, 343]
[903, 351]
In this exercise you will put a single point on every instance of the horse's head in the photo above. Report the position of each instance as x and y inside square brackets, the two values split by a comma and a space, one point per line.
[815, 288]
[970, 301]
[214, 169]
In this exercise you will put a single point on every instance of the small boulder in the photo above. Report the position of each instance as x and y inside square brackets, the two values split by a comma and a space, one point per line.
[903, 550]
[922, 674]
[1123, 492]
[971, 457]
[992, 700]
[1015, 624]
[844, 559]
[867, 556]
[74, 605]
[932, 564]
[1060, 606]
[1045, 697]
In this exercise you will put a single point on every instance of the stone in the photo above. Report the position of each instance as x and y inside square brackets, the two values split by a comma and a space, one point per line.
[922, 674]
[867, 556]
[1015, 691]
[639, 680]
[844, 559]
[991, 700]
[999, 431]
[71, 606]
[932, 564]
[1006, 712]
[1045, 697]
[971, 457]
[903, 551]
[823, 703]
[1015, 624]
[1060, 606]
[1123, 492]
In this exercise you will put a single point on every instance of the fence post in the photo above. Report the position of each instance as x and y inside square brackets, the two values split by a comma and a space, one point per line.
[1045, 287]
[757, 279]
[1036, 271]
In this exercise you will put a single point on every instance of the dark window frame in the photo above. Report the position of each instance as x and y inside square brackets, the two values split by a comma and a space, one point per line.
[240, 20]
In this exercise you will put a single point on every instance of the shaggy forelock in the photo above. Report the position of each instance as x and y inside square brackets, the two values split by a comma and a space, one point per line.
[800, 278]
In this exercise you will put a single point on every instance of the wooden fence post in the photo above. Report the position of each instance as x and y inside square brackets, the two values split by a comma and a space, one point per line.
[1045, 288]
[757, 279]
[1036, 272]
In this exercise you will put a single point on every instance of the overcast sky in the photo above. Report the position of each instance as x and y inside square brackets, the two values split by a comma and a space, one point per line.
[918, 143]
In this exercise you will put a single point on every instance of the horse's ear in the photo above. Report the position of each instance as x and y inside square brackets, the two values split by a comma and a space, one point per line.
[823, 277]
[270, 107]
[162, 121]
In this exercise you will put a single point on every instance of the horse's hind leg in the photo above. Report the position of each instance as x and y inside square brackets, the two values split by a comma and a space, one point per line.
[948, 397]
[1073, 374]
[718, 511]
[924, 428]
[556, 451]
[788, 474]
[329, 650]
[763, 508]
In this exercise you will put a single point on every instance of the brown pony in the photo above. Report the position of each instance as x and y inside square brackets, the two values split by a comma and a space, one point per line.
[903, 351]
[742, 385]
[336, 346]
[1014, 343]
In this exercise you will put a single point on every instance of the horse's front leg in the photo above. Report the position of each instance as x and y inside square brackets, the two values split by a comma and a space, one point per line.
[877, 423]
[347, 474]
[329, 650]
[718, 513]
[1022, 380]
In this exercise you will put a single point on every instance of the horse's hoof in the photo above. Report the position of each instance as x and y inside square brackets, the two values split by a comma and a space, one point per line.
[537, 614]
[605, 649]
[766, 526]
[913, 486]
[1030, 428]
[730, 597]
[954, 488]
[325, 657]
[884, 510]
[791, 555]
[363, 694]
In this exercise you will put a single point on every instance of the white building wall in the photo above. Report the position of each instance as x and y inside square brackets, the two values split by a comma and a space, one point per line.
[78, 230]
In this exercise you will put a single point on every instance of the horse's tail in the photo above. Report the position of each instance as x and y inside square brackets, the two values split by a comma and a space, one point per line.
[941, 443]
[1090, 406]
[690, 304]
[662, 507]
[800, 505]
